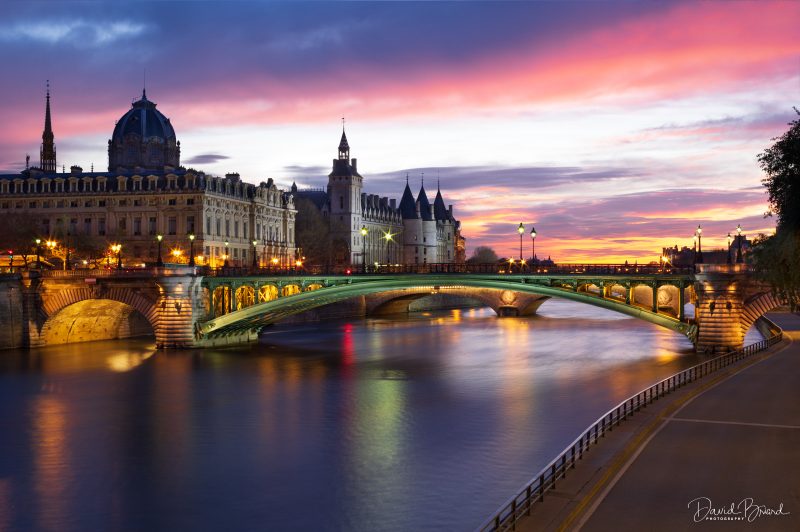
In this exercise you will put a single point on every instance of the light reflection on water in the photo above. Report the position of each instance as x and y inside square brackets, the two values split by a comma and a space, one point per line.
[424, 423]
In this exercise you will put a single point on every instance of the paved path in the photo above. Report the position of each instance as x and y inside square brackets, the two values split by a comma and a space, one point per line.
[733, 438]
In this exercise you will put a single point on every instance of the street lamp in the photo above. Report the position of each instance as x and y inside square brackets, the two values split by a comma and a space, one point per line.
[225, 256]
[388, 237]
[159, 262]
[533, 246]
[729, 248]
[66, 260]
[520, 230]
[364, 248]
[117, 248]
[255, 255]
[191, 250]
[699, 232]
[739, 257]
[38, 260]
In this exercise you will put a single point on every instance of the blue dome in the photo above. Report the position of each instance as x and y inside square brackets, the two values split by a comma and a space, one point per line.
[144, 120]
[143, 138]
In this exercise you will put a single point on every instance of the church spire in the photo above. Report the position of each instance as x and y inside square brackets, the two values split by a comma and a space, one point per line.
[47, 155]
[344, 147]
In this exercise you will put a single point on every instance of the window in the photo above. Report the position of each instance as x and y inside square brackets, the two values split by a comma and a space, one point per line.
[46, 226]
[172, 225]
[208, 251]
[73, 204]
[101, 203]
[236, 253]
[6, 205]
[190, 224]
[87, 226]
[137, 203]
[87, 203]
[227, 228]
[172, 201]
[208, 226]
[235, 228]
[151, 229]
[31, 204]
[341, 202]
[137, 226]
[73, 226]
[219, 233]
[101, 226]
[244, 254]
[244, 230]
[258, 232]
[123, 202]
[190, 201]
[122, 225]
[46, 204]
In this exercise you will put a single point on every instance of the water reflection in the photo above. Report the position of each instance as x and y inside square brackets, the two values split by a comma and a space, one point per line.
[383, 424]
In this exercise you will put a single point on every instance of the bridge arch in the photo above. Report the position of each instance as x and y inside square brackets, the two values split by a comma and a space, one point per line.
[257, 316]
[756, 306]
[85, 314]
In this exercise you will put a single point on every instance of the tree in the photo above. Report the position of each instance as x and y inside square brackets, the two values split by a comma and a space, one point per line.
[777, 258]
[20, 236]
[483, 255]
[781, 163]
[312, 233]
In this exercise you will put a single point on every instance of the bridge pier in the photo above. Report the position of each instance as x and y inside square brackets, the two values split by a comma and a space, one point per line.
[720, 301]
[179, 306]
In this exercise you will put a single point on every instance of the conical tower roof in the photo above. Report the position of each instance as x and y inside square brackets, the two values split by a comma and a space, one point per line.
[408, 207]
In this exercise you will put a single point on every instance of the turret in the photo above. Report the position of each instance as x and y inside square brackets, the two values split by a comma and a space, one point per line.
[47, 155]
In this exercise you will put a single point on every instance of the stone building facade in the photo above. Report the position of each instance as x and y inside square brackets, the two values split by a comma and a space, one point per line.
[147, 193]
[413, 232]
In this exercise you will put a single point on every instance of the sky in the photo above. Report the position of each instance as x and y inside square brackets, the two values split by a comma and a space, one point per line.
[614, 128]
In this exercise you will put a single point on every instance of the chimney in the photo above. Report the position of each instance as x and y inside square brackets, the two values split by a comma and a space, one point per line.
[450, 210]
[393, 203]
[355, 165]
[75, 169]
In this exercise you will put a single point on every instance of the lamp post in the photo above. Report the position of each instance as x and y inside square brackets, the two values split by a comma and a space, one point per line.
[225, 256]
[255, 255]
[729, 248]
[520, 230]
[739, 257]
[66, 260]
[117, 248]
[159, 262]
[191, 250]
[364, 248]
[699, 232]
[38, 248]
[388, 237]
[533, 246]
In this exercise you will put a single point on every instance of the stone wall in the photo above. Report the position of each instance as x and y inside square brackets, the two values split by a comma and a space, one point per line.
[12, 323]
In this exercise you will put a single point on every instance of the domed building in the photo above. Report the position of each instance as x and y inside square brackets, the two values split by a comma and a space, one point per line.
[143, 138]
[145, 195]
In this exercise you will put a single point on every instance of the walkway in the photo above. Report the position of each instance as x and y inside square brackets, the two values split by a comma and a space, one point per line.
[729, 438]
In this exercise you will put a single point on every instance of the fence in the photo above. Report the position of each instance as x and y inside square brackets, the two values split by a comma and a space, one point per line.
[520, 505]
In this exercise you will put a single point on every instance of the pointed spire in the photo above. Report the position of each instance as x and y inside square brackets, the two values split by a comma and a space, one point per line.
[47, 155]
[144, 84]
[406, 179]
[344, 147]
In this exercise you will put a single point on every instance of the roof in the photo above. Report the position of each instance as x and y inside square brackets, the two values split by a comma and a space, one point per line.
[408, 207]
[424, 204]
[343, 168]
[144, 120]
[439, 209]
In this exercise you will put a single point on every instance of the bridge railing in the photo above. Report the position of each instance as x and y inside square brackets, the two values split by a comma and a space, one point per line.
[534, 491]
[450, 268]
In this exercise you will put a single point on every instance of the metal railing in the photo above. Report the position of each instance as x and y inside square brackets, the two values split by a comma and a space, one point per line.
[534, 491]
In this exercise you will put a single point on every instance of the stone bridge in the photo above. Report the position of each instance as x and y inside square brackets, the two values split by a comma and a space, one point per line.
[182, 308]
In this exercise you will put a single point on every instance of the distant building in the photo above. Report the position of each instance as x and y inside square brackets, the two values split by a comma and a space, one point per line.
[413, 232]
[686, 256]
[147, 193]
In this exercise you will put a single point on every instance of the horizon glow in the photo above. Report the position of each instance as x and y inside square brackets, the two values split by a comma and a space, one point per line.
[615, 128]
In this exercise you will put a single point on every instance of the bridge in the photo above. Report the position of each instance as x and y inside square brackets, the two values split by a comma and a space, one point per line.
[187, 307]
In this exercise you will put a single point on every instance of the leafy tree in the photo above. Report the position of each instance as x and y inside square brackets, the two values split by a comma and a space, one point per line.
[483, 255]
[781, 164]
[777, 258]
[20, 236]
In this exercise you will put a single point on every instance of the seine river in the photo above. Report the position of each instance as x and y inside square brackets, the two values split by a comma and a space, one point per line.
[422, 423]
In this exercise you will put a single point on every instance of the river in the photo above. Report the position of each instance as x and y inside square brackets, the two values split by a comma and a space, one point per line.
[426, 422]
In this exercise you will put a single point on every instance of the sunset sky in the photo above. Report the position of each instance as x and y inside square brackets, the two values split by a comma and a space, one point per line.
[615, 127]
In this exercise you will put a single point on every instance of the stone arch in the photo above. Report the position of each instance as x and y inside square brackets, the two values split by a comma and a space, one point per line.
[64, 298]
[755, 307]
[616, 291]
[313, 286]
[94, 319]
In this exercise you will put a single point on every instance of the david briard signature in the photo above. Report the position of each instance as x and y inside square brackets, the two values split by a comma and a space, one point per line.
[744, 510]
